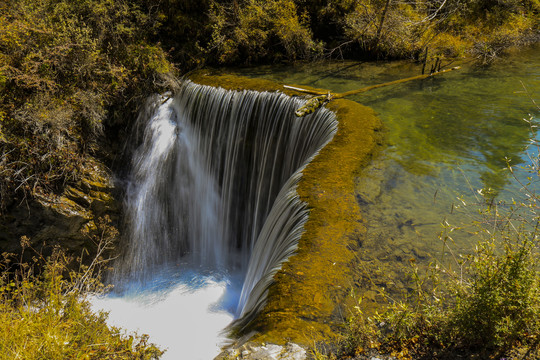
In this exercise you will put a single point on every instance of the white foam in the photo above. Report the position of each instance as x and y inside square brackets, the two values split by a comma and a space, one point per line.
[185, 321]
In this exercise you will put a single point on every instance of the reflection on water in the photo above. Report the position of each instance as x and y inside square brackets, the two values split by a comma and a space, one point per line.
[447, 137]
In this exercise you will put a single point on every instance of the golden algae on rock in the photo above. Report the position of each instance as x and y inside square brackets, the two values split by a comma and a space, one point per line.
[232, 82]
[305, 303]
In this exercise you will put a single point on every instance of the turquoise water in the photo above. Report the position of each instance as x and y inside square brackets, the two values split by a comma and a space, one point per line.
[447, 137]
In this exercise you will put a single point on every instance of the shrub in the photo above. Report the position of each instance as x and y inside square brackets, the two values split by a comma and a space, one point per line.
[44, 312]
[385, 27]
[256, 30]
[64, 65]
[394, 29]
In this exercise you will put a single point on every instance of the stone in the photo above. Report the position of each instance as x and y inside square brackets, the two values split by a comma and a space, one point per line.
[250, 351]
[77, 196]
[61, 218]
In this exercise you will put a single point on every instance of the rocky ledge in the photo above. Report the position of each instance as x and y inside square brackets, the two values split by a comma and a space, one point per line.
[61, 218]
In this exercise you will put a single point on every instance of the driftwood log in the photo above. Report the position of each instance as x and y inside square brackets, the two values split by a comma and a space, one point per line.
[316, 102]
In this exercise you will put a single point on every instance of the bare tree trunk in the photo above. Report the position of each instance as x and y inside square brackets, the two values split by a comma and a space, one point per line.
[383, 17]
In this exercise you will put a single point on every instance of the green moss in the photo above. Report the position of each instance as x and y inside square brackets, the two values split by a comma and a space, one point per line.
[304, 305]
[232, 82]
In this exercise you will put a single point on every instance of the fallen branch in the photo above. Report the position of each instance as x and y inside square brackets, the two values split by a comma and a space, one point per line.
[323, 97]
[303, 90]
[419, 77]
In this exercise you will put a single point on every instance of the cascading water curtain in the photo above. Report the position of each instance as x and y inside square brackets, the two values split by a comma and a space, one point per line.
[213, 184]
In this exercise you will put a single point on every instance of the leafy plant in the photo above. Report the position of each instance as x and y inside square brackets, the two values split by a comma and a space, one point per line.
[45, 313]
[65, 66]
[257, 30]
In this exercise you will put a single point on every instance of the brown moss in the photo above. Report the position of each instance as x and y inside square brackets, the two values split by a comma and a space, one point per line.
[305, 303]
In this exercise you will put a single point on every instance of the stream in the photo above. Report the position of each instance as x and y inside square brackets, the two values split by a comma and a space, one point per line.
[446, 139]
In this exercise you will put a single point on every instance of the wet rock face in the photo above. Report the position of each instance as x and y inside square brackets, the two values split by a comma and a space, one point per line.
[61, 219]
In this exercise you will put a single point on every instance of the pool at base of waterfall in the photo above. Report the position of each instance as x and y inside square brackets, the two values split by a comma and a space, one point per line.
[183, 311]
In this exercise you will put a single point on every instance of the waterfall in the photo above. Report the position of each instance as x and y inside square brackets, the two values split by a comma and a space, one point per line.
[213, 184]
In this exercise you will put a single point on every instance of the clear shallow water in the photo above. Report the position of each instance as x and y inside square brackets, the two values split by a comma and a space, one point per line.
[446, 138]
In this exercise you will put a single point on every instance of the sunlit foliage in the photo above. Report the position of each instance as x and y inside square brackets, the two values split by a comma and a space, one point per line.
[64, 65]
[255, 30]
[252, 30]
[45, 311]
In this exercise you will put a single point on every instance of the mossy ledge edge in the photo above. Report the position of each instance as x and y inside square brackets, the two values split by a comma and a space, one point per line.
[308, 301]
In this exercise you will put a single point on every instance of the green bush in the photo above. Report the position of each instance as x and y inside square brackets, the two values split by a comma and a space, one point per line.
[65, 66]
[255, 30]
[396, 31]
